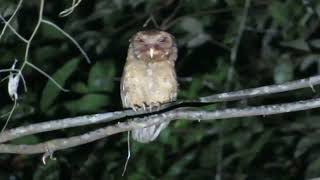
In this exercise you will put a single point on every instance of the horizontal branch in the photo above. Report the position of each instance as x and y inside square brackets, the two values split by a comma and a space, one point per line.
[180, 113]
[111, 116]
[264, 90]
[64, 123]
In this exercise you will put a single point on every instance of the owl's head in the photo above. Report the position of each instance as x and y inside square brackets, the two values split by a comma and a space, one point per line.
[154, 45]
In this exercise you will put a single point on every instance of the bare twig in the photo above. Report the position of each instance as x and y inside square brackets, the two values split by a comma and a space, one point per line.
[10, 19]
[128, 155]
[153, 20]
[69, 37]
[68, 11]
[164, 23]
[10, 115]
[14, 31]
[47, 75]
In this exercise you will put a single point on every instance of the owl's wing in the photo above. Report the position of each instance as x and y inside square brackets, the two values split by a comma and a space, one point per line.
[123, 92]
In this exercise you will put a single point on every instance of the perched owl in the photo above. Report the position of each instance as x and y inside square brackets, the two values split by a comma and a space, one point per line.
[149, 77]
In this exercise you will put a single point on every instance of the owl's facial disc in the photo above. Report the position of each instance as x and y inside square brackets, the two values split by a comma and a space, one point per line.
[152, 45]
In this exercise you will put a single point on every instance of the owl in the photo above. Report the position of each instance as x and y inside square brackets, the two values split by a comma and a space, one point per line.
[149, 77]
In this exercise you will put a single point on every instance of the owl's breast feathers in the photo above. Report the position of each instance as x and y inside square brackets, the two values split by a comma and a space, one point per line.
[148, 83]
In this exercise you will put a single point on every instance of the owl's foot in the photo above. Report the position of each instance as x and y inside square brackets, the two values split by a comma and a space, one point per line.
[142, 107]
[154, 106]
[135, 107]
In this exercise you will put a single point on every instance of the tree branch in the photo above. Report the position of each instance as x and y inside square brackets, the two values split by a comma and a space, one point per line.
[264, 90]
[111, 116]
[180, 113]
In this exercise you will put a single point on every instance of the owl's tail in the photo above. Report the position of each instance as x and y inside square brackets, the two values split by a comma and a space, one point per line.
[148, 134]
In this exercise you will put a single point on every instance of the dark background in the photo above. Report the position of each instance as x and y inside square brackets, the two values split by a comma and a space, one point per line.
[280, 42]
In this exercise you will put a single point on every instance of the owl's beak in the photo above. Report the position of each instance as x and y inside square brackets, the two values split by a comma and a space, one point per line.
[151, 52]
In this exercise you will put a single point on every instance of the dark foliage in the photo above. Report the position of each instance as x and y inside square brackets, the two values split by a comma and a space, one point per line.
[280, 42]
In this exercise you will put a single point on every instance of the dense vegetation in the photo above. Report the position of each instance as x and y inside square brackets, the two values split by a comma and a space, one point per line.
[279, 42]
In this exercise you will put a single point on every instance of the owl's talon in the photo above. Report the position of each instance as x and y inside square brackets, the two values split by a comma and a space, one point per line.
[154, 106]
[150, 108]
[135, 108]
[144, 106]
[158, 106]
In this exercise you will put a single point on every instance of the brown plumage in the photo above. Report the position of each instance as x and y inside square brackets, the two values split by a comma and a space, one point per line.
[149, 77]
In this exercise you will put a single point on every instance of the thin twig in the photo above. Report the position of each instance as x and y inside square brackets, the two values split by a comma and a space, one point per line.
[69, 37]
[48, 76]
[68, 11]
[35, 30]
[7, 23]
[164, 23]
[10, 115]
[128, 155]
[14, 31]
[153, 20]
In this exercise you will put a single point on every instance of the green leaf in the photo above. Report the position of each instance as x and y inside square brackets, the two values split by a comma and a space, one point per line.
[315, 43]
[101, 77]
[283, 71]
[309, 61]
[306, 143]
[191, 25]
[279, 12]
[51, 92]
[313, 169]
[80, 87]
[87, 103]
[51, 171]
[45, 53]
[51, 33]
[26, 140]
[299, 44]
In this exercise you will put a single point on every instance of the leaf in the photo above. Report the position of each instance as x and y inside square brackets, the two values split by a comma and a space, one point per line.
[306, 144]
[299, 44]
[22, 110]
[191, 25]
[80, 87]
[51, 92]
[309, 61]
[26, 140]
[315, 43]
[45, 53]
[257, 147]
[283, 71]
[51, 33]
[51, 171]
[279, 12]
[101, 77]
[313, 169]
[87, 103]
[198, 40]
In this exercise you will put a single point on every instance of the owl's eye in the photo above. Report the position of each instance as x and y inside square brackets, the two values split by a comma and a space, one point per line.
[140, 40]
[163, 39]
